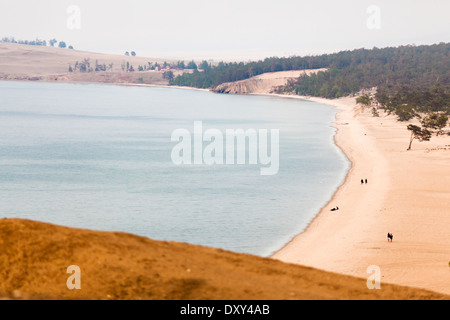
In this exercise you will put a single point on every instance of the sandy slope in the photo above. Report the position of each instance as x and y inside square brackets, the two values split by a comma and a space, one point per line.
[408, 194]
[263, 83]
[34, 257]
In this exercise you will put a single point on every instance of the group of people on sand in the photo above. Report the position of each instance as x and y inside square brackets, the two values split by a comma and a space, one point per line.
[390, 236]
[362, 182]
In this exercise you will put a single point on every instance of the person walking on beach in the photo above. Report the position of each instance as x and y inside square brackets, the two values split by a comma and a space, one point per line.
[366, 181]
[362, 181]
[390, 236]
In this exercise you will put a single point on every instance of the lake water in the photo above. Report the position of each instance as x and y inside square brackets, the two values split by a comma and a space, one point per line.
[99, 157]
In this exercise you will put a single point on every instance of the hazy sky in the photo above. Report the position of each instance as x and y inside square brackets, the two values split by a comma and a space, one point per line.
[227, 29]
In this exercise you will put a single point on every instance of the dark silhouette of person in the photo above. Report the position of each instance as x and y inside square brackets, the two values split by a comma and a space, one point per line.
[362, 181]
[390, 236]
[366, 180]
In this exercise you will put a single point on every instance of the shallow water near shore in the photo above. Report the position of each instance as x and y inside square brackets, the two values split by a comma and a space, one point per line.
[99, 157]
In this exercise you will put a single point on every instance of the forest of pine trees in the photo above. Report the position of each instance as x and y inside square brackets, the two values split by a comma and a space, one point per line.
[408, 78]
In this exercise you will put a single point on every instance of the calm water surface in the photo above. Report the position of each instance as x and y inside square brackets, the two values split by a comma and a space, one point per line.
[99, 157]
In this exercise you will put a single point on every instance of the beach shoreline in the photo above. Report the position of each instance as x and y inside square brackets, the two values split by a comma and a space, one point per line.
[353, 238]
[331, 103]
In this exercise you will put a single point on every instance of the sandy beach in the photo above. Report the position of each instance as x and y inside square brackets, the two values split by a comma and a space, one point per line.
[407, 194]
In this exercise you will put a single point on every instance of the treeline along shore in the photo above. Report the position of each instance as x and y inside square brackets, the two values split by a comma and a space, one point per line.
[408, 79]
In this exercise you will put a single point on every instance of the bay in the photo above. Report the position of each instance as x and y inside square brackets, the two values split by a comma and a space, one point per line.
[99, 157]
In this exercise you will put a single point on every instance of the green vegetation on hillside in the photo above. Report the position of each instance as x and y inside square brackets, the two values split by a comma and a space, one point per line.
[409, 79]
[401, 72]
[212, 76]
[348, 71]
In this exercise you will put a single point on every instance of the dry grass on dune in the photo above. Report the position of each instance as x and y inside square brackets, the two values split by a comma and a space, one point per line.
[41, 61]
[34, 257]
[25, 62]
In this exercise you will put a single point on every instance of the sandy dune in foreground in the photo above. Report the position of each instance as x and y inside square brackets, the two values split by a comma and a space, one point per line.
[407, 194]
[34, 257]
